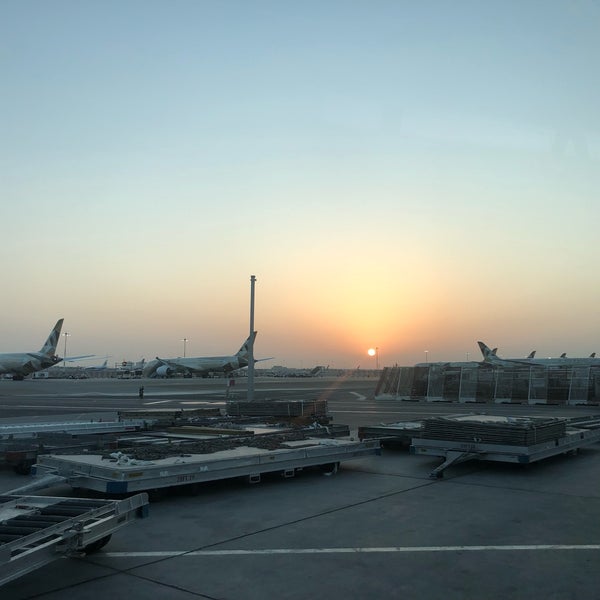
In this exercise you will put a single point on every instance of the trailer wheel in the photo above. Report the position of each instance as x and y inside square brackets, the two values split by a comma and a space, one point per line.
[157, 494]
[193, 489]
[23, 467]
[330, 468]
[97, 545]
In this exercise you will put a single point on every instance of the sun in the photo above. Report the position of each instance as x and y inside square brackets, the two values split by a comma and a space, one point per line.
[371, 351]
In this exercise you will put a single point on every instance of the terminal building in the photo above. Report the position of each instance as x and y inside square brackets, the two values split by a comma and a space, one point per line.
[484, 383]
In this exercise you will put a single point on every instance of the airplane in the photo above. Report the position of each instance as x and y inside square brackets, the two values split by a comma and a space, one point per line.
[20, 364]
[490, 357]
[280, 371]
[201, 365]
[101, 367]
[494, 351]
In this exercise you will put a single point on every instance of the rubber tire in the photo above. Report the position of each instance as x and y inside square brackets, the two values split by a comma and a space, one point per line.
[97, 545]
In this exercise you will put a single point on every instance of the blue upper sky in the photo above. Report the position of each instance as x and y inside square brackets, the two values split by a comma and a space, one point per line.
[403, 175]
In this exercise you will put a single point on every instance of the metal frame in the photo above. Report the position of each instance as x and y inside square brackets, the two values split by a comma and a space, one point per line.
[96, 521]
[455, 452]
[17, 431]
[95, 473]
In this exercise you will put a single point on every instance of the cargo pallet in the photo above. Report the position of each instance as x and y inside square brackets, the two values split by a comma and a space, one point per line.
[35, 531]
[401, 432]
[123, 475]
[277, 408]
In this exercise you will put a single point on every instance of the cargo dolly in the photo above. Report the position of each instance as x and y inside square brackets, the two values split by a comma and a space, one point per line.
[36, 530]
[521, 440]
[119, 473]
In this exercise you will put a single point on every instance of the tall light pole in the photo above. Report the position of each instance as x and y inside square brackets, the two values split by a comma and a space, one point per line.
[184, 340]
[376, 358]
[426, 356]
[251, 344]
[66, 334]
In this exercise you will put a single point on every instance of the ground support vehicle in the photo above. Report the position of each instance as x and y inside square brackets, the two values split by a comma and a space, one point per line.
[180, 464]
[36, 530]
[575, 434]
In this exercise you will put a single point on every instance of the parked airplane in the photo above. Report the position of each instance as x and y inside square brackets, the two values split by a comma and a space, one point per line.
[20, 364]
[201, 365]
[101, 367]
[280, 371]
[490, 357]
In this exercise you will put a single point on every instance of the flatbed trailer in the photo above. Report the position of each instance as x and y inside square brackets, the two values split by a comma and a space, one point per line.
[123, 475]
[577, 435]
[36, 530]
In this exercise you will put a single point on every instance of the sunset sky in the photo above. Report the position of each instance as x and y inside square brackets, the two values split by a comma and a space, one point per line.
[403, 175]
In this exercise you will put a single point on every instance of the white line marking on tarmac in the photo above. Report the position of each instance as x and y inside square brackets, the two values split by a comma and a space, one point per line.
[359, 396]
[157, 402]
[381, 412]
[358, 550]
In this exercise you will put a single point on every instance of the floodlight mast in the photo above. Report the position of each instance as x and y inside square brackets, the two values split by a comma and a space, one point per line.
[250, 393]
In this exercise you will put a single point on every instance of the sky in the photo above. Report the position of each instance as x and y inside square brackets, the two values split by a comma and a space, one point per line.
[407, 176]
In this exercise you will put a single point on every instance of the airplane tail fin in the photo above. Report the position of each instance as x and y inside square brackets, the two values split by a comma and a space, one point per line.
[49, 347]
[593, 355]
[243, 351]
[487, 352]
[531, 354]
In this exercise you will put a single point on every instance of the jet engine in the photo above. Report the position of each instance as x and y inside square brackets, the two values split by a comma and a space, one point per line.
[164, 371]
[230, 365]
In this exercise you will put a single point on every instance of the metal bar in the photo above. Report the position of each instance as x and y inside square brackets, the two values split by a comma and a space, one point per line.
[74, 427]
[94, 521]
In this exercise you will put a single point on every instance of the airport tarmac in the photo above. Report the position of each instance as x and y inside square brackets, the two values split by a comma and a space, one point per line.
[378, 528]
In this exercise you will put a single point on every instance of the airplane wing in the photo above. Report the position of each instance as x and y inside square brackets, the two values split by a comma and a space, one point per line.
[82, 357]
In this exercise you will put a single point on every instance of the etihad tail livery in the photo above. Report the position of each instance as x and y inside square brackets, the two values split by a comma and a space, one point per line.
[491, 358]
[20, 364]
[200, 365]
